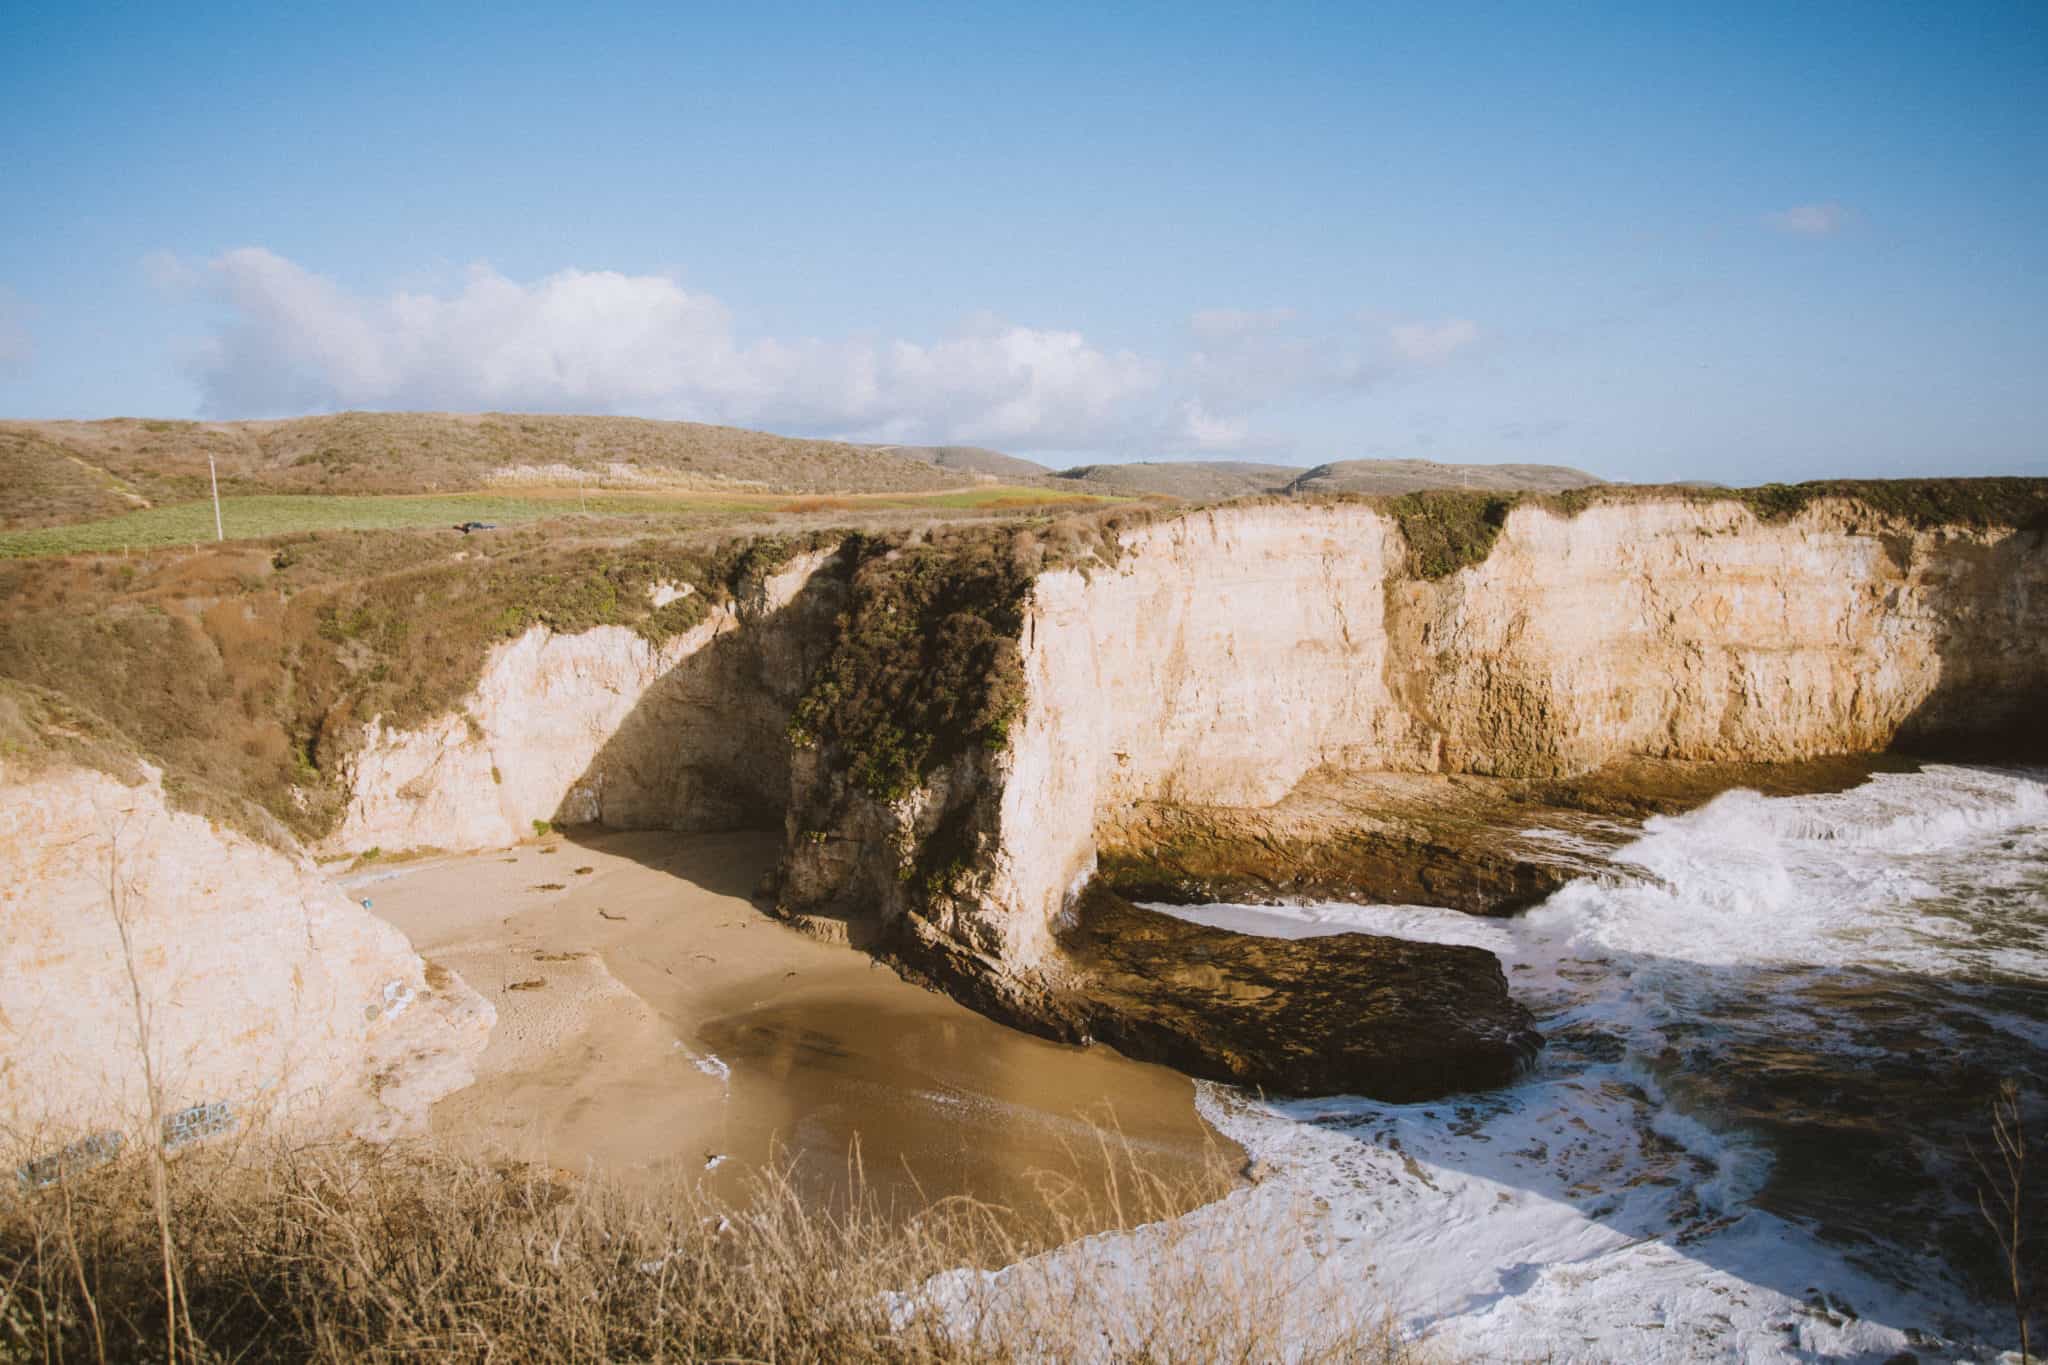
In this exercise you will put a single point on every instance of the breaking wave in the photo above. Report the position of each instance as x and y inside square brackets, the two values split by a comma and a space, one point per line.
[1771, 1030]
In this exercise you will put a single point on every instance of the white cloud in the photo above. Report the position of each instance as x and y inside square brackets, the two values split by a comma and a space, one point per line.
[1810, 220]
[289, 340]
[602, 341]
[1430, 343]
[1209, 433]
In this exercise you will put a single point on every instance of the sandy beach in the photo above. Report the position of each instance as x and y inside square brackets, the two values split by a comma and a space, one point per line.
[652, 1019]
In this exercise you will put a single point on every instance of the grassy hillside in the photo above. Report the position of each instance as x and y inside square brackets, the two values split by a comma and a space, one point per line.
[1415, 476]
[58, 472]
[1197, 480]
[259, 516]
[1204, 480]
[973, 460]
[136, 482]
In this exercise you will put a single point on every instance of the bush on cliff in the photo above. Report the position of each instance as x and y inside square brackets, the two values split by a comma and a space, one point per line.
[926, 664]
[1448, 531]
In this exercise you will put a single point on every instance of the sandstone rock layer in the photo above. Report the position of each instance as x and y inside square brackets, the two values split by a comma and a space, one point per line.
[158, 968]
[1234, 662]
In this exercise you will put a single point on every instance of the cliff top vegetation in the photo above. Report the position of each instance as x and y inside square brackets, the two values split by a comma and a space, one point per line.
[1448, 530]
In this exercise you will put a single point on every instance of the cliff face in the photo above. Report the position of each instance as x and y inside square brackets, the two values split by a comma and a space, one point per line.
[1693, 631]
[1230, 653]
[1224, 657]
[604, 728]
[1267, 688]
[256, 990]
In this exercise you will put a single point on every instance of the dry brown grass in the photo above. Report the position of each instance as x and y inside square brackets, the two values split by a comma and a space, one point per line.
[47, 485]
[68, 471]
[350, 1253]
[247, 670]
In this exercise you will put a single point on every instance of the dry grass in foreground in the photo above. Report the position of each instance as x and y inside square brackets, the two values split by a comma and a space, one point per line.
[347, 1253]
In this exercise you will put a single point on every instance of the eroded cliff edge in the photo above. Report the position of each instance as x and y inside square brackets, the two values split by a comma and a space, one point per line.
[1205, 679]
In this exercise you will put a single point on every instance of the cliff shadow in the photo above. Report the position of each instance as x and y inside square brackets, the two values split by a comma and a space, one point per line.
[706, 747]
[1986, 701]
[723, 862]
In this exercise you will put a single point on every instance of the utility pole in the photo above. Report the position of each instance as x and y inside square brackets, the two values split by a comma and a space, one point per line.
[214, 475]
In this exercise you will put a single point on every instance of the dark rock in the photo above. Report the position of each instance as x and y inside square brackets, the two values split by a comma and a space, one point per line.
[1356, 1014]
[1458, 841]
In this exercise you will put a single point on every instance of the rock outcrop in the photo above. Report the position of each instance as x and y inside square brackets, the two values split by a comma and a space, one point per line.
[1229, 654]
[158, 966]
[604, 728]
[1358, 1013]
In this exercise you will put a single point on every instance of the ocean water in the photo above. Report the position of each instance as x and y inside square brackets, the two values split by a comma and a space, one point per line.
[1772, 1034]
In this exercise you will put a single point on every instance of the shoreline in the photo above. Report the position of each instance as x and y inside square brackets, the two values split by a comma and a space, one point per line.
[653, 1020]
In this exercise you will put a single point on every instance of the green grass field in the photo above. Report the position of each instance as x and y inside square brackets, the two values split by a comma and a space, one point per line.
[256, 517]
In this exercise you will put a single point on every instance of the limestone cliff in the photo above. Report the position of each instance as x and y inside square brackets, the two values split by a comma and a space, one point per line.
[957, 729]
[146, 945]
[604, 727]
[1230, 653]
[1225, 655]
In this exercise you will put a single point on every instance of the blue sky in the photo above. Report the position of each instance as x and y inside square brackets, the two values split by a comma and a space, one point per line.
[1720, 241]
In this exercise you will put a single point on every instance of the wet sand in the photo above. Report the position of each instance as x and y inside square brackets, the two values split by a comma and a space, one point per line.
[652, 1019]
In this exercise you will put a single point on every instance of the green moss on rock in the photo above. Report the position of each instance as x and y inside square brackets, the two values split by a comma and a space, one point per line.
[1448, 531]
[926, 664]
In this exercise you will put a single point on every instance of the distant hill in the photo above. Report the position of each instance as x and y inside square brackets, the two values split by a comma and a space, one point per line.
[1411, 476]
[58, 472]
[1210, 479]
[1194, 479]
[972, 460]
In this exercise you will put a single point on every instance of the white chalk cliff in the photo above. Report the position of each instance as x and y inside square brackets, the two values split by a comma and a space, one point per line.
[1224, 657]
[1231, 652]
[145, 947]
[603, 727]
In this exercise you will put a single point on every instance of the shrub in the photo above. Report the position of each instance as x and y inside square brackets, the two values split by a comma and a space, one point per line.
[926, 665]
[1448, 531]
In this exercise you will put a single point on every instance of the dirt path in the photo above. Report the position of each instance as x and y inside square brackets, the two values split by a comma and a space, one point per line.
[650, 1018]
